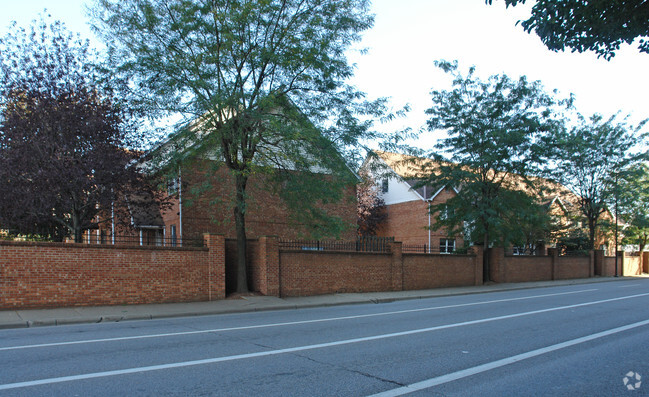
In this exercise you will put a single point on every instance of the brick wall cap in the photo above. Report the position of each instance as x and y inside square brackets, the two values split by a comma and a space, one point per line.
[97, 246]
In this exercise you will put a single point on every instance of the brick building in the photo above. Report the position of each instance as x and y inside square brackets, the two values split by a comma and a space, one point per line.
[202, 201]
[410, 221]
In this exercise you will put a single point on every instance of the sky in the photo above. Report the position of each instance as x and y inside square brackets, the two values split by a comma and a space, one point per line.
[409, 35]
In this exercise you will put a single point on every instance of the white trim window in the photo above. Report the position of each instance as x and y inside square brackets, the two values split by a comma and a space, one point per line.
[173, 185]
[446, 245]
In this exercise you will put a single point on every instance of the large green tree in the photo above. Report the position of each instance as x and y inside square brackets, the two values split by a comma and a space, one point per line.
[590, 158]
[493, 126]
[633, 200]
[264, 82]
[588, 25]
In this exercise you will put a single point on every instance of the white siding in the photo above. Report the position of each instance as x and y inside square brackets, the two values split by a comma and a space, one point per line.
[399, 192]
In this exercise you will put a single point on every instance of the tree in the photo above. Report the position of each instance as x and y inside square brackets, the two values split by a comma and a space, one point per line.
[634, 206]
[371, 207]
[62, 136]
[588, 25]
[589, 158]
[264, 82]
[492, 128]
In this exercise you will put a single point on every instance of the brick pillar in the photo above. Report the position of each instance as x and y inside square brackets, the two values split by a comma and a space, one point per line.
[269, 266]
[645, 262]
[477, 264]
[215, 243]
[554, 254]
[599, 263]
[397, 266]
[497, 265]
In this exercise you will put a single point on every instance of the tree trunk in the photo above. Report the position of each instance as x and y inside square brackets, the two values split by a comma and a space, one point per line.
[240, 224]
[76, 225]
[591, 233]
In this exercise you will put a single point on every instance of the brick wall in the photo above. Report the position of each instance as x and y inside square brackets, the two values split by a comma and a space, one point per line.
[34, 275]
[421, 271]
[518, 268]
[573, 267]
[632, 266]
[304, 273]
[626, 265]
[527, 268]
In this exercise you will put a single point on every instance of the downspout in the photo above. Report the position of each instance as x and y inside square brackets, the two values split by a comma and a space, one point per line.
[180, 208]
[428, 226]
[112, 219]
[428, 202]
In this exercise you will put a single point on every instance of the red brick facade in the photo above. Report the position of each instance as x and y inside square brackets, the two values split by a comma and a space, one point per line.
[34, 275]
[408, 222]
[207, 207]
[57, 274]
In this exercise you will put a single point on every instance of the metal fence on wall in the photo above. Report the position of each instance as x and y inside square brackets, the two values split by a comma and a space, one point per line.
[144, 240]
[362, 244]
[431, 249]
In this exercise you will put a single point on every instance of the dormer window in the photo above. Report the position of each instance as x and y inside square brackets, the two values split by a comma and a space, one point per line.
[384, 185]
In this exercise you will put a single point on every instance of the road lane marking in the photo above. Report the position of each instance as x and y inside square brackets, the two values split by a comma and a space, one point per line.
[164, 335]
[629, 285]
[426, 384]
[183, 364]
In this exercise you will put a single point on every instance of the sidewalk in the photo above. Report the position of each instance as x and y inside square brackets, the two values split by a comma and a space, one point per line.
[97, 314]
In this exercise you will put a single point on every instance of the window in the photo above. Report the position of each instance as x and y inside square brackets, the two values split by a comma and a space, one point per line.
[174, 238]
[446, 245]
[172, 186]
[445, 212]
[519, 251]
[385, 185]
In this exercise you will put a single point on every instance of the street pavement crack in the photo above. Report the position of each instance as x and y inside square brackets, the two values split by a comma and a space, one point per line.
[355, 371]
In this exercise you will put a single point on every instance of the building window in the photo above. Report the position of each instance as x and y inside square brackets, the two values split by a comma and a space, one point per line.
[172, 186]
[445, 213]
[385, 185]
[446, 245]
[174, 238]
[519, 251]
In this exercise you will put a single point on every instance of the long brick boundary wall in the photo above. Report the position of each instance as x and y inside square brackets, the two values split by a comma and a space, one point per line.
[302, 273]
[41, 275]
[284, 273]
[517, 268]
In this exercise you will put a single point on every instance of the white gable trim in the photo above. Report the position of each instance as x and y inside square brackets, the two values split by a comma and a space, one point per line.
[441, 190]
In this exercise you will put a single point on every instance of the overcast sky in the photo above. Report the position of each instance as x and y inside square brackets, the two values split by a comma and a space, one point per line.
[410, 34]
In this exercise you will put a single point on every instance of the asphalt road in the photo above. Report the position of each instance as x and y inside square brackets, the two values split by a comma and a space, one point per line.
[561, 341]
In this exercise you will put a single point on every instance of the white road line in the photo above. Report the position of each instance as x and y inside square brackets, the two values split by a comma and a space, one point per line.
[627, 286]
[501, 363]
[48, 381]
[282, 324]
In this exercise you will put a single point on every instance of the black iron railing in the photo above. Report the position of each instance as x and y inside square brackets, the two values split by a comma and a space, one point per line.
[362, 244]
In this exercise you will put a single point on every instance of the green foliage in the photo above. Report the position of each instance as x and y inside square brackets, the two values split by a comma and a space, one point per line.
[590, 158]
[264, 83]
[493, 129]
[588, 25]
[634, 205]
